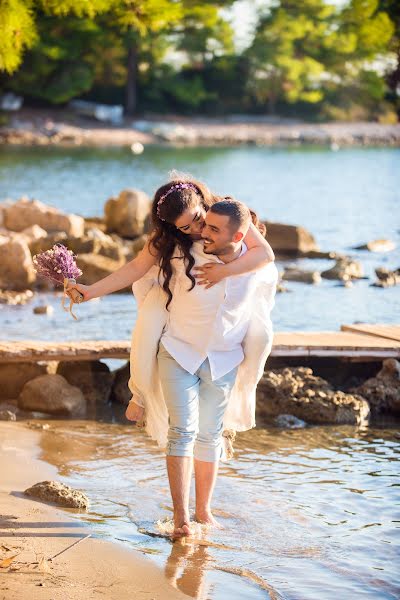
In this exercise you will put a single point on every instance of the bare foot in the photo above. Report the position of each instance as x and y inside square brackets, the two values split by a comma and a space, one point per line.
[206, 518]
[181, 526]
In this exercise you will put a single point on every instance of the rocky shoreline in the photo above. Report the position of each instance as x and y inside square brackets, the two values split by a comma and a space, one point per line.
[37, 128]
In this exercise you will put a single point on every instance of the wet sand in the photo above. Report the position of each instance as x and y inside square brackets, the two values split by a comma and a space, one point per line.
[35, 532]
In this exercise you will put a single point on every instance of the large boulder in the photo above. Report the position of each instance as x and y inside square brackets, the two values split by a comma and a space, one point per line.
[121, 392]
[298, 392]
[344, 269]
[290, 239]
[93, 378]
[13, 377]
[25, 212]
[16, 266]
[128, 215]
[52, 394]
[95, 267]
[43, 244]
[97, 242]
[386, 278]
[383, 391]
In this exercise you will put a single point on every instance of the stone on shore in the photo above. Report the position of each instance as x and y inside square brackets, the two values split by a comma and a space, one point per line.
[13, 377]
[93, 378]
[96, 241]
[7, 415]
[383, 391]
[59, 493]
[121, 392]
[46, 243]
[296, 391]
[289, 422]
[14, 298]
[377, 246]
[129, 214]
[16, 266]
[25, 213]
[290, 239]
[43, 309]
[96, 266]
[345, 269]
[303, 276]
[386, 278]
[52, 394]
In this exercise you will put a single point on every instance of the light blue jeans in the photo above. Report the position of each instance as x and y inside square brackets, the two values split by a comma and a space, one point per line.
[196, 407]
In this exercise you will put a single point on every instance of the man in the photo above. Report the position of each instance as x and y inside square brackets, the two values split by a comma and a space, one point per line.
[199, 355]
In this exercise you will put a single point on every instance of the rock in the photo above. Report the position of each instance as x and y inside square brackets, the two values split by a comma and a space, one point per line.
[52, 394]
[34, 232]
[93, 378]
[294, 274]
[377, 246]
[129, 214]
[290, 239]
[319, 254]
[7, 415]
[344, 270]
[46, 243]
[95, 223]
[16, 266]
[96, 242]
[45, 309]
[383, 391]
[59, 493]
[25, 212]
[13, 377]
[14, 298]
[296, 391]
[121, 392]
[95, 267]
[289, 422]
[133, 247]
[386, 278]
[281, 289]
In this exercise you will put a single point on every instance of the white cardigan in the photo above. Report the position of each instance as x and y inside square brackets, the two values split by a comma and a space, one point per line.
[144, 381]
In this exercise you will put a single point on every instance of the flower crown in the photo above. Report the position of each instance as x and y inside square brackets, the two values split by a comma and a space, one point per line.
[182, 185]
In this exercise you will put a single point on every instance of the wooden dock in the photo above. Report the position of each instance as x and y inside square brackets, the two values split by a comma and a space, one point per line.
[358, 343]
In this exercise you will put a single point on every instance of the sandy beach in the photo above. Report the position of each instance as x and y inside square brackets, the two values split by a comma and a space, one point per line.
[57, 127]
[34, 532]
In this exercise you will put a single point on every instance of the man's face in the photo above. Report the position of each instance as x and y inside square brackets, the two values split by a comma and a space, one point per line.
[217, 234]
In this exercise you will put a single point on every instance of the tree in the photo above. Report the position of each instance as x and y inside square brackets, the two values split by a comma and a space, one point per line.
[301, 50]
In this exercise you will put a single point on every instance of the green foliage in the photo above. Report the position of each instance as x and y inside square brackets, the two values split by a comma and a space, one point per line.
[18, 32]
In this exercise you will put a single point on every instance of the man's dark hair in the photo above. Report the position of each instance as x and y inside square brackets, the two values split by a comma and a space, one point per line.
[238, 213]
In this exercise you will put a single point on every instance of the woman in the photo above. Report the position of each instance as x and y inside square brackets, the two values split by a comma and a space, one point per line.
[178, 211]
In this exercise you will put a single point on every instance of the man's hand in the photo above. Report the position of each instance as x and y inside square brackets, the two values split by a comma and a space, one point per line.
[134, 412]
[210, 273]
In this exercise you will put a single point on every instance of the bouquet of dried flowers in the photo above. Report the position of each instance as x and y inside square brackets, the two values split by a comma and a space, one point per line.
[58, 264]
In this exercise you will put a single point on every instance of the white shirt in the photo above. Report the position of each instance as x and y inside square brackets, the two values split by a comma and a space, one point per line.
[209, 323]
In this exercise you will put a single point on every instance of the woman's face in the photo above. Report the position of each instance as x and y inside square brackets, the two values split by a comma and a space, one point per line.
[191, 221]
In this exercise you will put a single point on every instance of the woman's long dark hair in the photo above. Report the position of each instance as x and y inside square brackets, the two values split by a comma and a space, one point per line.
[170, 201]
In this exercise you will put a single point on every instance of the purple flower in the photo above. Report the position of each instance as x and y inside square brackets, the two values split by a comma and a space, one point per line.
[57, 264]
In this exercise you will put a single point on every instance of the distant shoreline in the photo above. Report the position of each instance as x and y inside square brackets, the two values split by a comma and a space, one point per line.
[31, 127]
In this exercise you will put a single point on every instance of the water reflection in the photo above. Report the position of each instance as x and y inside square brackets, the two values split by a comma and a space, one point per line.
[308, 513]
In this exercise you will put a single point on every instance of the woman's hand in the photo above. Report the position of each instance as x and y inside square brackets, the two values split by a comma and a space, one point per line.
[134, 412]
[210, 273]
[85, 290]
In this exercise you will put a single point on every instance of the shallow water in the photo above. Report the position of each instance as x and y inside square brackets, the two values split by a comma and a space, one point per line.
[308, 514]
[344, 198]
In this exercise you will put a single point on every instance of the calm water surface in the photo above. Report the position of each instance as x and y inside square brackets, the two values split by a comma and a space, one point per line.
[308, 514]
[344, 198]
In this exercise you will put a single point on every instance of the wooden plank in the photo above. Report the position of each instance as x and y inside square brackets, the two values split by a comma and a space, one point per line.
[390, 332]
[87, 350]
[343, 344]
